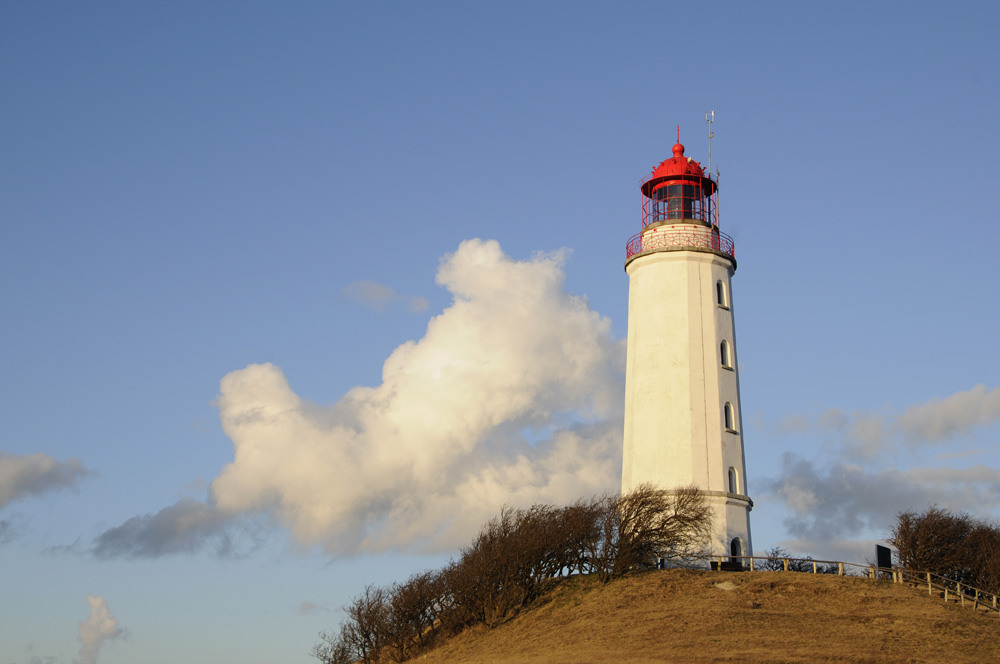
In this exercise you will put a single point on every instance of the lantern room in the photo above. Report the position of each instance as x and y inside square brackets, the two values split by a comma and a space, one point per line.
[678, 190]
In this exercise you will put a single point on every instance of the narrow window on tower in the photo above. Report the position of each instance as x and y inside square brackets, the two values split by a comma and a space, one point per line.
[730, 418]
[734, 483]
[727, 360]
[720, 295]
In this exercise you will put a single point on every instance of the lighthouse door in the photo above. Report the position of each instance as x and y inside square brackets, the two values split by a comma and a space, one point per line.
[736, 550]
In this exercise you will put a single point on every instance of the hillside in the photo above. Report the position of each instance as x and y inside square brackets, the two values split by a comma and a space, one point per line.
[682, 616]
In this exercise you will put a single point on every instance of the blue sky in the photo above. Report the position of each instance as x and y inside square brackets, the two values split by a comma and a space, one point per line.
[211, 213]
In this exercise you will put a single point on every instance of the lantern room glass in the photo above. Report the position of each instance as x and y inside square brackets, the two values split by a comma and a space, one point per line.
[678, 201]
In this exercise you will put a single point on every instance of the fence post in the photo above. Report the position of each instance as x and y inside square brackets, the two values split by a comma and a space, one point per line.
[751, 563]
[840, 569]
[929, 591]
[814, 567]
[961, 595]
[785, 563]
[946, 592]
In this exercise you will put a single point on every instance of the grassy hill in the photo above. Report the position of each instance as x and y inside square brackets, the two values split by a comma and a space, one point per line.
[684, 616]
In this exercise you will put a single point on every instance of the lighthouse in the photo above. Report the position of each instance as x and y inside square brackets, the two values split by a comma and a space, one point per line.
[683, 422]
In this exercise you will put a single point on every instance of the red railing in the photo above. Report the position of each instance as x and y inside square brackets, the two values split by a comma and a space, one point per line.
[680, 236]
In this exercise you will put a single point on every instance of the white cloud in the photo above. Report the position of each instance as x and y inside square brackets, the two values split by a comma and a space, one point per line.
[423, 459]
[99, 628]
[379, 296]
[33, 474]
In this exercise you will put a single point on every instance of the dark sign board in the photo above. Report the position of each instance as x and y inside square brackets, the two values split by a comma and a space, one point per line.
[883, 556]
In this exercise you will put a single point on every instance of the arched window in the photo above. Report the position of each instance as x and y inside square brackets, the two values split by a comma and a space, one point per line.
[730, 417]
[727, 360]
[720, 295]
[734, 482]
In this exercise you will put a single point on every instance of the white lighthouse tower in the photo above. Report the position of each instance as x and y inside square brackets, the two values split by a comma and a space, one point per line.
[683, 423]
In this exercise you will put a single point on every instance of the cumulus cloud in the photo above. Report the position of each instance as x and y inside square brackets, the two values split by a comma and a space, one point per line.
[423, 459]
[379, 297]
[99, 628]
[33, 474]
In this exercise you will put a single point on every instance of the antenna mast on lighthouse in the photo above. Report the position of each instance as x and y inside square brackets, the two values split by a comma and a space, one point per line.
[709, 118]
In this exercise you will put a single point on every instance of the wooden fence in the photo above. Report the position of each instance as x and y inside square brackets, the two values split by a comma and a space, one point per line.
[949, 589]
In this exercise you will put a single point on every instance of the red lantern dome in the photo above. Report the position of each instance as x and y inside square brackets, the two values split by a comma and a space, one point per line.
[678, 190]
[677, 165]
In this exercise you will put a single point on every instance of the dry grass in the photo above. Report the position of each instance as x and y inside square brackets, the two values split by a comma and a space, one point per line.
[681, 616]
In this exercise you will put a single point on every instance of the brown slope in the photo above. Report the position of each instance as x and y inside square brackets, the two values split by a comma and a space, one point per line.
[681, 616]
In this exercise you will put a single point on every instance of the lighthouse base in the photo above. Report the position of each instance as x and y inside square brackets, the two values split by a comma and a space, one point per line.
[730, 525]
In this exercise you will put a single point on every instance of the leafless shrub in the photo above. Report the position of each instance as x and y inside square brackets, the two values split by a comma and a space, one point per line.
[363, 636]
[775, 562]
[637, 529]
[332, 648]
[957, 546]
[579, 526]
[507, 564]
[514, 557]
[984, 547]
[807, 564]
[413, 618]
[367, 624]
